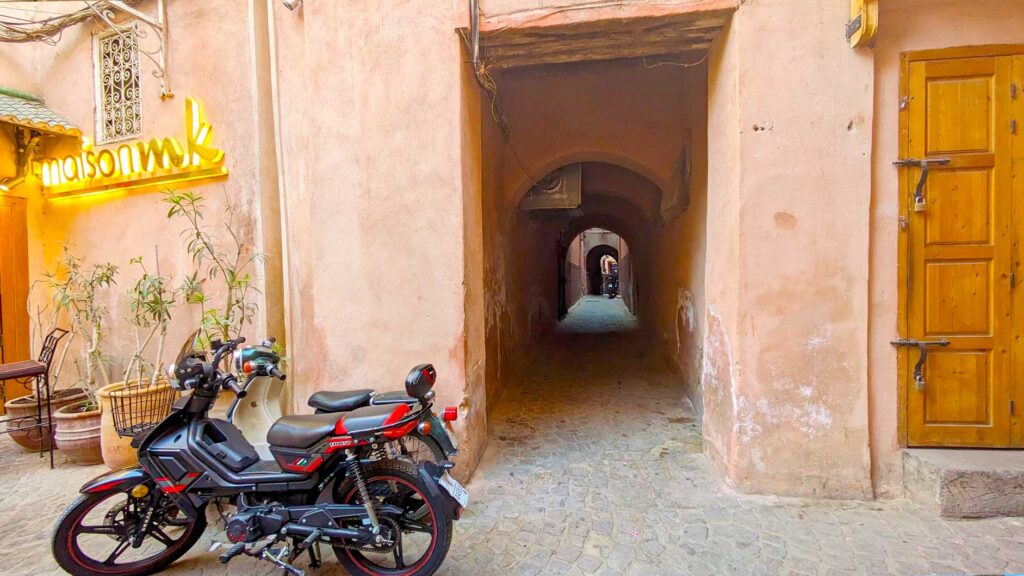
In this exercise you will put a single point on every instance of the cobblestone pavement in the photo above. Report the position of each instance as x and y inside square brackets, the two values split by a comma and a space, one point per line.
[595, 467]
[598, 315]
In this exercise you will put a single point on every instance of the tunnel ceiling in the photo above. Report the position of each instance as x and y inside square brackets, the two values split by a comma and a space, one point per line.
[604, 179]
[602, 33]
[602, 182]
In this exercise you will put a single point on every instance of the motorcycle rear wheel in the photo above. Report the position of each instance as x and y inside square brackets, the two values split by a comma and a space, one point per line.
[113, 532]
[416, 448]
[398, 482]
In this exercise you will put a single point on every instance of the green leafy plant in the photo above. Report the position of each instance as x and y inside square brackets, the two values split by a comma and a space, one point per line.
[225, 262]
[76, 287]
[150, 301]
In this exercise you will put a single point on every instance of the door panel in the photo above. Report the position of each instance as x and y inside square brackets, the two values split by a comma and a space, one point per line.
[957, 215]
[958, 394]
[957, 296]
[959, 252]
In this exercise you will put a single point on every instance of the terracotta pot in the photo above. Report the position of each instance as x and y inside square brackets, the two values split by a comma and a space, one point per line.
[77, 433]
[117, 450]
[23, 416]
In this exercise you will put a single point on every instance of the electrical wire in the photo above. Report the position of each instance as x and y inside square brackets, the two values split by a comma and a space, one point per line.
[483, 77]
[702, 60]
[49, 29]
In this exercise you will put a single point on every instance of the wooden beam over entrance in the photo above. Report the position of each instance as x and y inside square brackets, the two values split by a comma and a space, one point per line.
[600, 32]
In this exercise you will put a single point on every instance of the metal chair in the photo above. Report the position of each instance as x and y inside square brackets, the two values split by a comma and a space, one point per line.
[38, 370]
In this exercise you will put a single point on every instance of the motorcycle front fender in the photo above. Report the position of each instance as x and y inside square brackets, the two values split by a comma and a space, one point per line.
[118, 480]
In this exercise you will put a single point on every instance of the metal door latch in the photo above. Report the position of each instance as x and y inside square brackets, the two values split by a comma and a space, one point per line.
[920, 205]
[922, 348]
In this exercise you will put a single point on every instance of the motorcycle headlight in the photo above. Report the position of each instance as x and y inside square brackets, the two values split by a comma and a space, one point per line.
[172, 378]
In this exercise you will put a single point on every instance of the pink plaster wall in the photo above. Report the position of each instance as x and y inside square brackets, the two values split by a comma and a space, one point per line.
[907, 25]
[117, 227]
[373, 104]
[785, 365]
[680, 251]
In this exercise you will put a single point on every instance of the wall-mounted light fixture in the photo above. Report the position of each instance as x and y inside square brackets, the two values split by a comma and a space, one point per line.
[291, 4]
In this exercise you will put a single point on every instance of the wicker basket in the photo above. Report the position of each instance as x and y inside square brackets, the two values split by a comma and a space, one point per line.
[139, 409]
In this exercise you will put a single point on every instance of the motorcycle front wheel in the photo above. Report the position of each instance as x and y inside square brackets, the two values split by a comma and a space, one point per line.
[419, 537]
[95, 535]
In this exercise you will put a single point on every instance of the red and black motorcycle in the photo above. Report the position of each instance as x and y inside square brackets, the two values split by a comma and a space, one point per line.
[327, 484]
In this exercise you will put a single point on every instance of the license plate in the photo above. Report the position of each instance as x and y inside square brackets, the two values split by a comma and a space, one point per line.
[453, 487]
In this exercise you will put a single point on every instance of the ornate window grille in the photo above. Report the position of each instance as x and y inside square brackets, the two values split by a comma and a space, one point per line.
[118, 94]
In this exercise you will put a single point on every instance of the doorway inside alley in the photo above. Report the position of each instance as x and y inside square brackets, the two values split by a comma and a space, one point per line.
[596, 291]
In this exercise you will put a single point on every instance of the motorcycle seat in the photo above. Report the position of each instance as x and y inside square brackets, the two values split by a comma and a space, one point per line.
[302, 431]
[366, 419]
[330, 401]
[398, 397]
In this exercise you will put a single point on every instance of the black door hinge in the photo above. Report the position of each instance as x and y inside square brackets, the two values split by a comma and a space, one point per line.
[1011, 407]
[1013, 91]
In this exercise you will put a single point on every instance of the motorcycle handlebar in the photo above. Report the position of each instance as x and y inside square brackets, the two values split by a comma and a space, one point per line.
[232, 383]
[226, 348]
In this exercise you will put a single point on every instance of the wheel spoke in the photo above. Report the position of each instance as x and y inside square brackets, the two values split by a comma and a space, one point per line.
[416, 527]
[160, 536]
[121, 547]
[105, 529]
[399, 561]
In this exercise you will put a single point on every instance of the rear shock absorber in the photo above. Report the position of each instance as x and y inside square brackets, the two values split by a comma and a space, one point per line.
[356, 470]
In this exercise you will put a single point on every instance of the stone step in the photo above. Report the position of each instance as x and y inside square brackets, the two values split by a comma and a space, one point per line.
[961, 483]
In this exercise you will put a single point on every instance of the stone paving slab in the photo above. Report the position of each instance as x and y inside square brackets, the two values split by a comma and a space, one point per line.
[595, 467]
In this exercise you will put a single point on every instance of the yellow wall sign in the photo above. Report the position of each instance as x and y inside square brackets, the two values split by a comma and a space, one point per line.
[137, 164]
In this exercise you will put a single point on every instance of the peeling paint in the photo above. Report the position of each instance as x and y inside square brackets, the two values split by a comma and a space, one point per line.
[718, 381]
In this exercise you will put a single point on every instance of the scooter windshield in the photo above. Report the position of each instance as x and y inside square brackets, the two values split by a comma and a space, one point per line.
[188, 349]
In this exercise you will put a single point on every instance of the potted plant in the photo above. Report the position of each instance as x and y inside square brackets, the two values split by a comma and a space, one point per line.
[222, 262]
[143, 394]
[220, 284]
[75, 292]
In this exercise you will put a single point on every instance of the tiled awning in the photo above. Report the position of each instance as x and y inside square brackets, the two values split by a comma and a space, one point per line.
[27, 110]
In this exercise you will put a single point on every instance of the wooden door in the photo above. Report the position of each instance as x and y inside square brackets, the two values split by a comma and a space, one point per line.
[14, 344]
[1017, 192]
[958, 262]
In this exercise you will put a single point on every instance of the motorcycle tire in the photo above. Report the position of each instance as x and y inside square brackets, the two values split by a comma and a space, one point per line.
[393, 472]
[63, 544]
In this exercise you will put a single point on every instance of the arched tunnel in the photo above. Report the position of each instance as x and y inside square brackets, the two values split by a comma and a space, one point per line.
[613, 147]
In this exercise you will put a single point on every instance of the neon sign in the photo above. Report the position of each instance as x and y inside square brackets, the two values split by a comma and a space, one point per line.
[137, 164]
